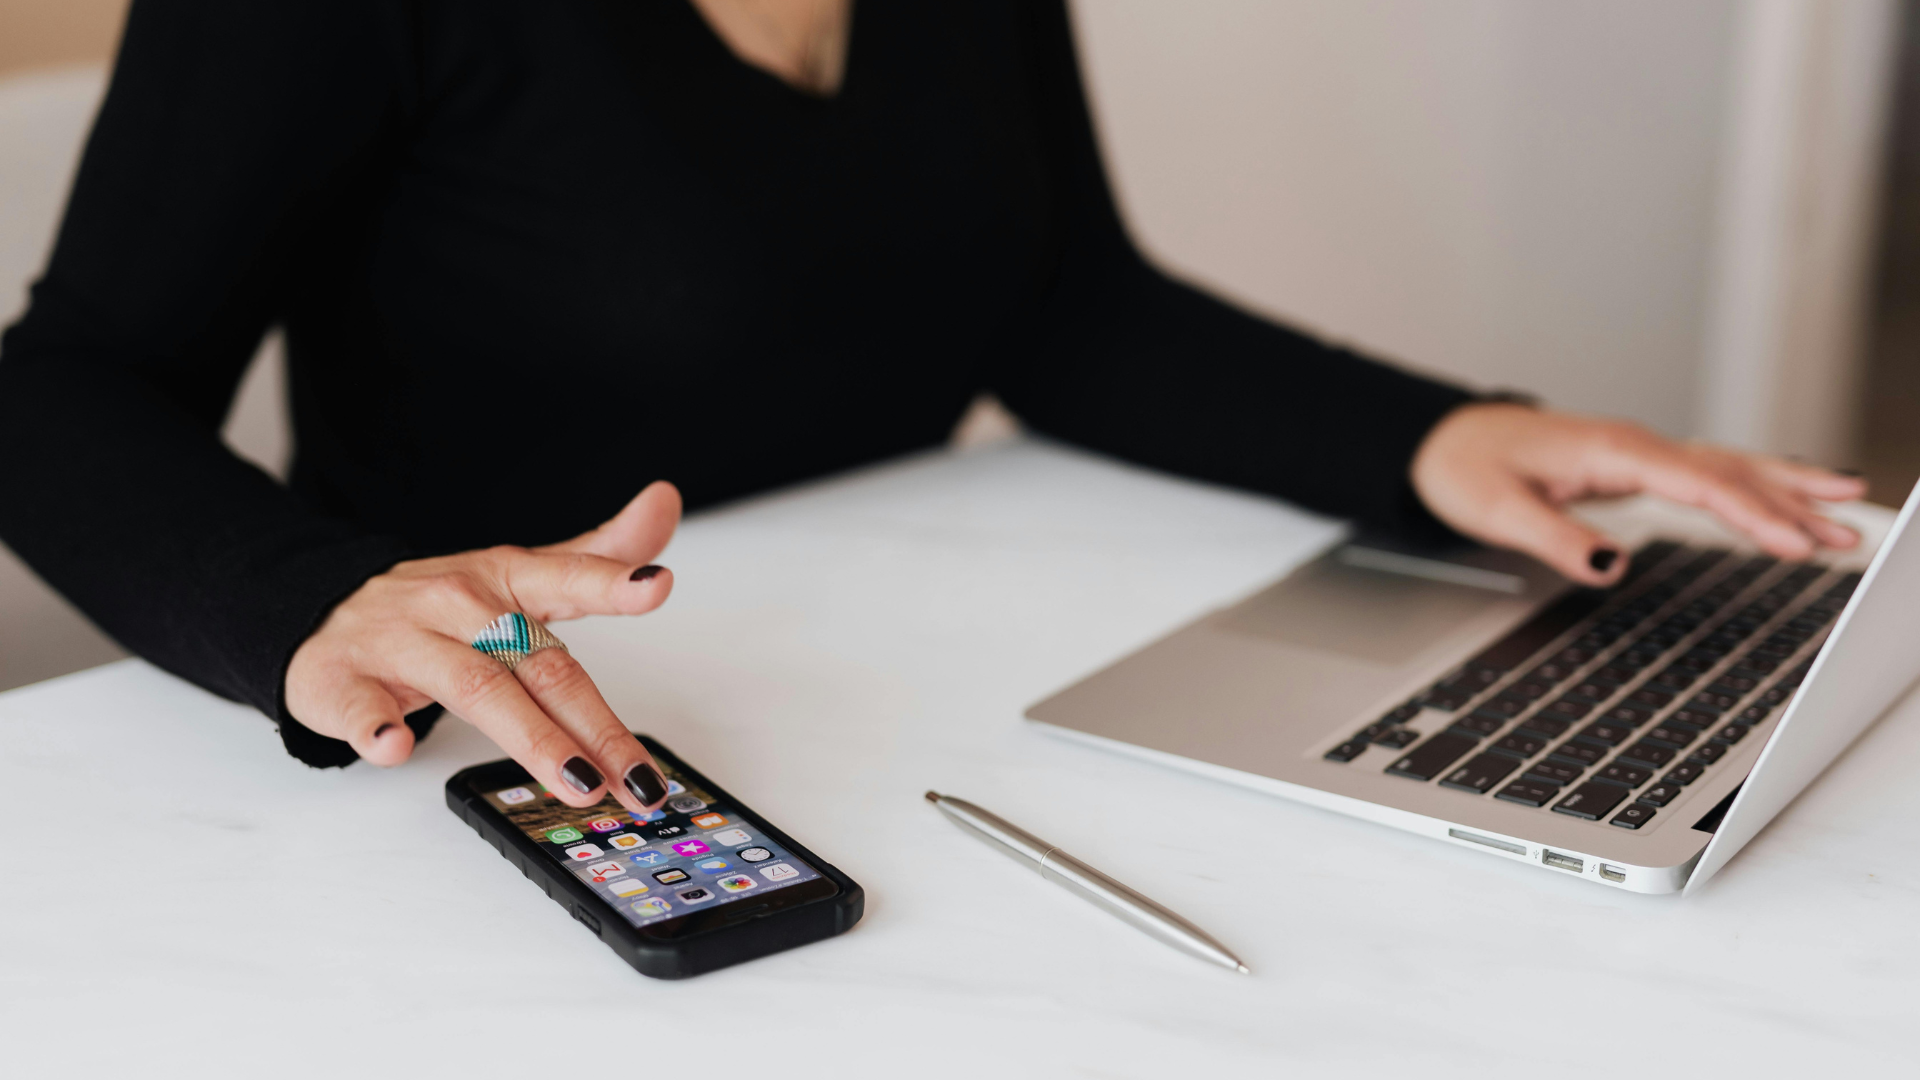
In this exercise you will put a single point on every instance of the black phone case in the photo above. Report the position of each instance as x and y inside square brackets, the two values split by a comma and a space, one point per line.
[696, 953]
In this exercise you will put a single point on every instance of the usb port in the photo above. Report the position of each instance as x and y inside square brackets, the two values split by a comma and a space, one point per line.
[1564, 862]
[1612, 873]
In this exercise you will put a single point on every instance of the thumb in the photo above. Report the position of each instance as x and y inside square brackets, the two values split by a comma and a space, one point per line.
[1522, 519]
[637, 534]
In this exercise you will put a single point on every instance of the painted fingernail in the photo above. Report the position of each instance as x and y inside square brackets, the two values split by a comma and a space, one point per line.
[645, 783]
[580, 774]
[1602, 559]
[645, 573]
[383, 729]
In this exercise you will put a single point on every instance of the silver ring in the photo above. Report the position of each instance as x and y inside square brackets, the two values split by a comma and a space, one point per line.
[513, 637]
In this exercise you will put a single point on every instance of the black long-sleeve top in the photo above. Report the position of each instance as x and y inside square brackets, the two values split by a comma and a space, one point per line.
[532, 256]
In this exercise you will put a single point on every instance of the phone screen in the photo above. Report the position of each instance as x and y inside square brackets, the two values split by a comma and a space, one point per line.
[692, 855]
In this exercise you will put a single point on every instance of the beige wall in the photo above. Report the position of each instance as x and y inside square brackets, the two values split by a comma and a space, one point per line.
[42, 33]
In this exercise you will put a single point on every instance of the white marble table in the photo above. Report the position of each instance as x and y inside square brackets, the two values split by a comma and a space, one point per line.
[179, 898]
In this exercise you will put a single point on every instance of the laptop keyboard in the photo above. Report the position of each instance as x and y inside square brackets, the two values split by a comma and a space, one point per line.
[1607, 704]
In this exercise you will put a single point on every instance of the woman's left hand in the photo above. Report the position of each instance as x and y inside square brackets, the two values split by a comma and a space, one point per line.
[1504, 474]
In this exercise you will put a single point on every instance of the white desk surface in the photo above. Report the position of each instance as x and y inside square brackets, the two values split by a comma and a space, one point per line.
[177, 897]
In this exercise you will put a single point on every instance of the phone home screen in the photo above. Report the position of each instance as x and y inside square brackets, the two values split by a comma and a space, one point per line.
[689, 856]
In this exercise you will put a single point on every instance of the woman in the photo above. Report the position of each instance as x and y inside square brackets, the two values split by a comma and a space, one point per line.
[530, 257]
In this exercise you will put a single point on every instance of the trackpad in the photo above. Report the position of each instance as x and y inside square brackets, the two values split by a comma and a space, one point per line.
[1358, 612]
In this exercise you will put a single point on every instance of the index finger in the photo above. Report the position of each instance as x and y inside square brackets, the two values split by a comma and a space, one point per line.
[553, 586]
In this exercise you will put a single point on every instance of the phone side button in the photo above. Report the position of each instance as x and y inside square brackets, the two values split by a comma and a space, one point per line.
[585, 918]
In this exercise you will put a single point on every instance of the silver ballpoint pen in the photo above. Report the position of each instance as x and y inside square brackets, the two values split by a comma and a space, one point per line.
[1063, 869]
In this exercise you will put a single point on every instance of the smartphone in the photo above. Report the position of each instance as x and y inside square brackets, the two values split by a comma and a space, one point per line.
[702, 883]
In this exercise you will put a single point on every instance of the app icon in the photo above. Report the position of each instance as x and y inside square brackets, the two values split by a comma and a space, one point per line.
[709, 821]
[690, 848]
[626, 841]
[651, 815]
[602, 871]
[666, 831]
[516, 796]
[778, 872]
[625, 887]
[731, 837]
[672, 875]
[713, 866]
[648, 858]
[583, 852]
[754, 854]
[694, 896]
[605, 824]
[736, 883]
[675, 787]
[648, 909]
[686, 804]
[565, 834]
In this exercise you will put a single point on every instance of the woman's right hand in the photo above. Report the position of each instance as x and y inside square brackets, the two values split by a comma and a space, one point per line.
[403, 641]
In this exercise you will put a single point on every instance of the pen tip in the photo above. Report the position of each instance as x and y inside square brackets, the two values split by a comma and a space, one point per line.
[1244, 969]
[933, 796]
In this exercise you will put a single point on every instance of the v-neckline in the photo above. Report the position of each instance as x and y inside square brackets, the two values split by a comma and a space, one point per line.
[781, 85]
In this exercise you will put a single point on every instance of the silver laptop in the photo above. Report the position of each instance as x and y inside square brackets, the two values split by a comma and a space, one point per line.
[1637, 737]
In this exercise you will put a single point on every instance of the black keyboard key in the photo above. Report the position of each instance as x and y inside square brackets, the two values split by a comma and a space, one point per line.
[1713, 702]
[1546, 726]
[1634, 816]
[1697, 661]
[1554, 772]
[1526, 690]
[1584, 755]
[1605, 733]
[1673, 679]
[1528, 792]
[1478, 724]
[1731, 734]
[1625, 775]
[1652, 699]
[1473, 678]
[1683, 774]
[1774, 695]
[1432, 757]
[1500, 709]
[1673, 735]
[1630, 715]
[1646, 753]
[1755, 668]
[1611, 676]
[1592, 692]
[1397, 739]
[1480, 774]
[1536, 633]
[1708, 753]
[1591, 800]
[1446, 700]
[1568, 709]
[1347, 751]
[1734, 685]
[1753, 714]
[1553, 671]
[1693, 718]
[1520, 745]
[1660, 794]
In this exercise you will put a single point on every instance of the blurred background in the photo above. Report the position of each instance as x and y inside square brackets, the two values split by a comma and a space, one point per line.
[1700, 214]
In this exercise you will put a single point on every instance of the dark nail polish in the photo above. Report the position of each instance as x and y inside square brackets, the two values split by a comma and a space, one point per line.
[645, 573]
[1602, 559]
[383, 729]
[580, 774]
[645, 783]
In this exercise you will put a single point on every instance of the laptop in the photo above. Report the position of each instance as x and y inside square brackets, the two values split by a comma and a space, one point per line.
[1637, 737]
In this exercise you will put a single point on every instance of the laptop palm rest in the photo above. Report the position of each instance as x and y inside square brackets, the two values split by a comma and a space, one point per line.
[1254, 686]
